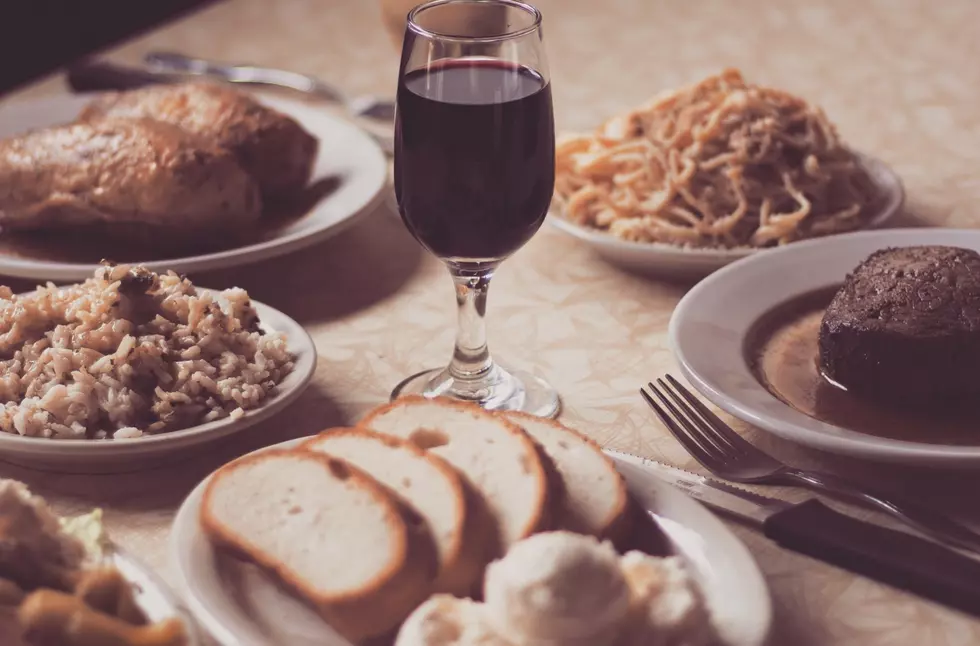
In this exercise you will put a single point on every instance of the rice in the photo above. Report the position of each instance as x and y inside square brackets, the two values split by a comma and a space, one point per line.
[128, 353]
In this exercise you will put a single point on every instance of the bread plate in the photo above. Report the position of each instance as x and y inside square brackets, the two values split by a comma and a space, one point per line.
[346, 154]
[102, 456]
[710, 326]
[688, 262]
[238, 604]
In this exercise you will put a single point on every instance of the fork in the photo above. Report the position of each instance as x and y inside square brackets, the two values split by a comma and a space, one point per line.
[719, 449]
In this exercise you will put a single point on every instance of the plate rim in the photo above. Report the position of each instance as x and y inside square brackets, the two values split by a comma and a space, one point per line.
[148, 583]
[895, 193]
[186, 526]
[54, 270]
[831, 438]
[298, 341]
[675, 497]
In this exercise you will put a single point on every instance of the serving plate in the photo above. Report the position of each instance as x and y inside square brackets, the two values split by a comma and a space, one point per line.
[347, 155]
[709, 328]
[238, 604]
[686, 262]
[102, 456]
[152, 596]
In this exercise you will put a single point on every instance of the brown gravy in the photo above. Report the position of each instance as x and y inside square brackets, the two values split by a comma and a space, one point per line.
[91, 246]
[783, 352]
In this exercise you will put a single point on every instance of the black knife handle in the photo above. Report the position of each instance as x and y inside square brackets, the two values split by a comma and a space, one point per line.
[97, 76]
[902, 560]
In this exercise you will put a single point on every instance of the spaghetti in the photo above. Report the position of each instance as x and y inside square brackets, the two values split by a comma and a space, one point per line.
[718, 164]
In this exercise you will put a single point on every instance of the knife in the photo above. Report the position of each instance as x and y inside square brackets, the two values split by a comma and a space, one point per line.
[895, 558]
[367, 106]
[92, 75]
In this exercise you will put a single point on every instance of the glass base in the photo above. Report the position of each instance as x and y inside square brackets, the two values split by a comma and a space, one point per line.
[501, 390]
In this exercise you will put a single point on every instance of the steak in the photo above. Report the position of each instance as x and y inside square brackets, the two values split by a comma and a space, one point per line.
[905, 325]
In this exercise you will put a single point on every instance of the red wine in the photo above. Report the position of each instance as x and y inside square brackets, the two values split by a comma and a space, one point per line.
[474, 157]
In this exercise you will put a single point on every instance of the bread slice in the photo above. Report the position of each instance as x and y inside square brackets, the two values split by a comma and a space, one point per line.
[596, 500]
[329, 532]
[427, 484]
[497, 458]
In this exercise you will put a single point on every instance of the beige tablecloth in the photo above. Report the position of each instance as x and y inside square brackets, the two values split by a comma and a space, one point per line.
[900, 78]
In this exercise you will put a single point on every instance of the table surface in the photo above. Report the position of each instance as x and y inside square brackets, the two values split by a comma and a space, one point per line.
[901, 80]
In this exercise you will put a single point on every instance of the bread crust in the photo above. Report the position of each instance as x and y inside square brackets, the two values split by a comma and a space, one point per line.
[619, 525]
[540, 520]
[383, 602]
[462, 569]
[556, 490]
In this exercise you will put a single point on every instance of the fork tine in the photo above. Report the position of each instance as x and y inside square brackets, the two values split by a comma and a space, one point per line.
[715, 422]
[710, 450]
[688, 442]
[724, 443]
[690, 422]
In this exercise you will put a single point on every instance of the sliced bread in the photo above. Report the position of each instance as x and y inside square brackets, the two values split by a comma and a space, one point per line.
[429, 485]
[496, 457]
[595, 499]
[329, 532]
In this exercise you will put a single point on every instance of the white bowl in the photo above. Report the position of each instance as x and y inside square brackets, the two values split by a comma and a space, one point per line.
[108, 456]
[674, 261]
[709, 328]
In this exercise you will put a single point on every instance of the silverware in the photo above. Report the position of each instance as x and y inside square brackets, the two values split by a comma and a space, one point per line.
[895, 558]
[369, 107]
[726, 454]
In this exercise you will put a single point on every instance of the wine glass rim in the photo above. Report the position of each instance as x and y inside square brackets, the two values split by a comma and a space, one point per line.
[510, 35]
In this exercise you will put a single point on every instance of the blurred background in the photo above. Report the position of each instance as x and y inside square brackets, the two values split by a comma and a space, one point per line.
[38, 36]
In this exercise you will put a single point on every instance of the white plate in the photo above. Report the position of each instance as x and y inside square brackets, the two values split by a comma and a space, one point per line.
[709, 327]
[91, 456]
[346, 152]
[153, 597]
[683, 262]
[735, 590]
[238, 605]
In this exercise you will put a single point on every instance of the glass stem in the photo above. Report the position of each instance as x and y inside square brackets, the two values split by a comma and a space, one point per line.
[471, 358]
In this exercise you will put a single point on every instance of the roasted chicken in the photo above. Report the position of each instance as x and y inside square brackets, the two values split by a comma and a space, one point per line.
[123, 175]
[273, 148]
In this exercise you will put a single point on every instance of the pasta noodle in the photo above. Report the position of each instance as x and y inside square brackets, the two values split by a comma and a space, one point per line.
[719, 164]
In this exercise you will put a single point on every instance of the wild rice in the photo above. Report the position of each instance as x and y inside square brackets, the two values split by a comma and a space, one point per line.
[129, 352]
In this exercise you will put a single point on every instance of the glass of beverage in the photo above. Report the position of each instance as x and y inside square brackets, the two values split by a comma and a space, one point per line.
[474, 172]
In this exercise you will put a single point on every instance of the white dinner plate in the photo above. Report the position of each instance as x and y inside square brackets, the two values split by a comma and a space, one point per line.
[346, 153]
[239, 605]
[686, 262]
[94, 456]
[709, 327]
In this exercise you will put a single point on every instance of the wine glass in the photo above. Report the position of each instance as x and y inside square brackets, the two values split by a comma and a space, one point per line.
[394, 14]
[474, 172]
